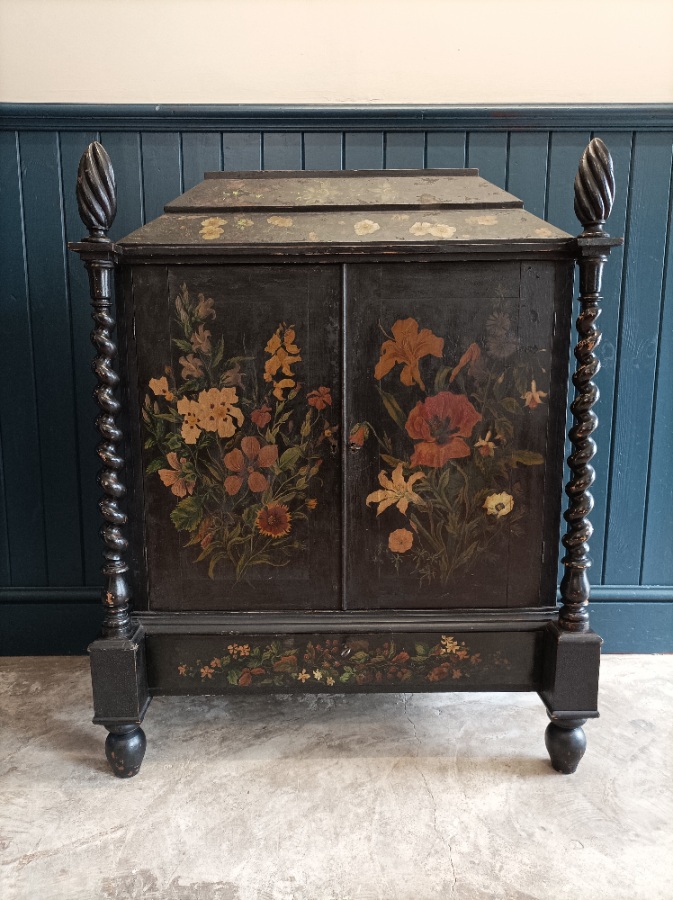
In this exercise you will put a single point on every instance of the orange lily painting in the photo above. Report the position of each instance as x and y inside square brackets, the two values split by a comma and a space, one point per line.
[455, 415]
[238, 442]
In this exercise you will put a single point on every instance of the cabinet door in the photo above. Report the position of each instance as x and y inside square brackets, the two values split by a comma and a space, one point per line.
[238, 372]
[456, 412]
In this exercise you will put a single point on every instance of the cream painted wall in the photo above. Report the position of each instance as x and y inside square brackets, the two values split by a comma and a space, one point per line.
[336, 51]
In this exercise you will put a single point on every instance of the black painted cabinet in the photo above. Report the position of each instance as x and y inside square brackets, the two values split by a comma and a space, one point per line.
[241, 459]
[483, 457]
[334, 461]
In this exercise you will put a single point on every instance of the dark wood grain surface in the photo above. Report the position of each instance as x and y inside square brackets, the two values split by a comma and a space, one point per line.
[431, 189]
[512, 564]
[249, 303]
[454, 301]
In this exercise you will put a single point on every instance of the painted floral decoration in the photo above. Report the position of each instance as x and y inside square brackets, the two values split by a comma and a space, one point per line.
[320, 664]
[212, 228]
[447, 486]
[366, 226]
[237, 441]
[407, 347]
[436, 229]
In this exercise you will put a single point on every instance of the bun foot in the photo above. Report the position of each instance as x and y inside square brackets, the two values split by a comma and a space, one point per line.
[125, 749]
[566, 742]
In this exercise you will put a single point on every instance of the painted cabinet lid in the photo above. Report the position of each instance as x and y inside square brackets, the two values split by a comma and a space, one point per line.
[356, 190]
[285, 211]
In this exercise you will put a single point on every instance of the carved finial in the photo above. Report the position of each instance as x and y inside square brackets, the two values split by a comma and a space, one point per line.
[96, 191]
[594, 188]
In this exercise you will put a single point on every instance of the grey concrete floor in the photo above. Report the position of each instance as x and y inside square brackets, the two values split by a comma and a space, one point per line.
[388, 797]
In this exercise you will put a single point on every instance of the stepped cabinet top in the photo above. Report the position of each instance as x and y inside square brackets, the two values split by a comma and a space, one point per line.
[439, 210]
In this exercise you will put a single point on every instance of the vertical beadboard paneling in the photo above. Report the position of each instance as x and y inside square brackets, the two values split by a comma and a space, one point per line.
[487, 150]
[405, 150]
[323, 150]
[201, 152]
[162, 171]
[445, 150]
[125, 152]
[363, 150]
[5, 564]
[620, 148]
[242, 151]
[73, 144]
[23, 514]
[53, 354]
[282, 150]
[565, 152]
[527, 169]
[657, 566]
[639, 330]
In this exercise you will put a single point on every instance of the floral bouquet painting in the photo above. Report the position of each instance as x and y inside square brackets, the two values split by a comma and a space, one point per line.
[237, 441]
[445, 486]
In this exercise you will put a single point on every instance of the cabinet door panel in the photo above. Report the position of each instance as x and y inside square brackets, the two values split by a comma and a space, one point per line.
[239, 385]
[454, 467]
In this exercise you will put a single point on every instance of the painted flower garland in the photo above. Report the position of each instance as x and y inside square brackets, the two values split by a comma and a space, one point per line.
[320, 664]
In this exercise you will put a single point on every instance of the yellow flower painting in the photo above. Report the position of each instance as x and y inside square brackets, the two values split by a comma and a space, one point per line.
[435, 229]
[238, 441]
[395, 490]
[212, 228]
[366, 226]
[499, 505]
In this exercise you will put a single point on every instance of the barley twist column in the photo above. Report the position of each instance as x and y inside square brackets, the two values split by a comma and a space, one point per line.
[577, 648]
[118, 669]
[594, 196]
[97, 204]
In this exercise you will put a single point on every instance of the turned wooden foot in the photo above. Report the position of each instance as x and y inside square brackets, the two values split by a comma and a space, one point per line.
[566, 742]
[125, 748]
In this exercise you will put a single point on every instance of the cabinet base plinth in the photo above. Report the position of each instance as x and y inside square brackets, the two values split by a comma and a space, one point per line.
[121, 697]
[570, 673]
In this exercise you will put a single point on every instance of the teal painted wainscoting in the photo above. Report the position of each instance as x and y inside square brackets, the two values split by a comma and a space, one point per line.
[49, 549]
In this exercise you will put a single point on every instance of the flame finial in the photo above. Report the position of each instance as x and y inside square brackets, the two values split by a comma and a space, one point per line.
[96, 191]
[594, 188]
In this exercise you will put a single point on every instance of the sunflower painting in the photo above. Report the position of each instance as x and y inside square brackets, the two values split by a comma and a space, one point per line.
[236, 441]
[450, 442]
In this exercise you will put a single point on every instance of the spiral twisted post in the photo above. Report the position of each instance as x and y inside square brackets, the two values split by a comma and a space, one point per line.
[97, 204]
[594, 196]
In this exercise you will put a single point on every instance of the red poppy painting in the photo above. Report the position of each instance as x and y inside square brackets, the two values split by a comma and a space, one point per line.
[440, 425]
[446, 493]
